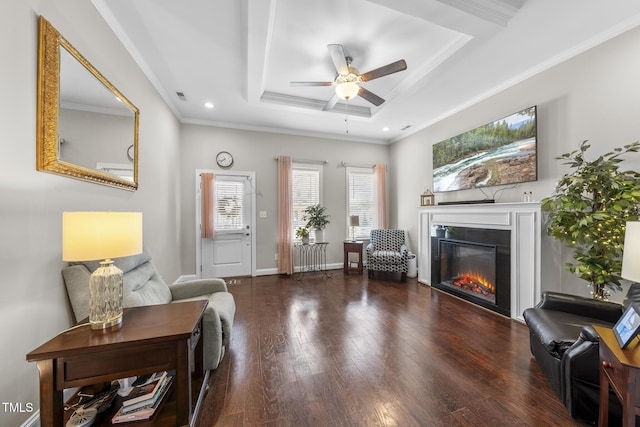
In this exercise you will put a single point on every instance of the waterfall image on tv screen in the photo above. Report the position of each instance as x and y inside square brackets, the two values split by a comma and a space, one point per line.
[498, 153]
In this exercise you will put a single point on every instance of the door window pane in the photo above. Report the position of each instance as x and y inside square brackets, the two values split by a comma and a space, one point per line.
[229, 208]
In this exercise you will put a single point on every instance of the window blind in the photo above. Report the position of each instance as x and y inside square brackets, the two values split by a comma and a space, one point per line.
[306, 192]
[361, 200]
[228, 205]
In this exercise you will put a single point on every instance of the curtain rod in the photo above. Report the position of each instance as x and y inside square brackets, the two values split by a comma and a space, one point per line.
[313, 162]
[356, 165]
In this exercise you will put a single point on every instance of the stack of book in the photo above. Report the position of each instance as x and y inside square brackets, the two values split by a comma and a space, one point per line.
[144, 398]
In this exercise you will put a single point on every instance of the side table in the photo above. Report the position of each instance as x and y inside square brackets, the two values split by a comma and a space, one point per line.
[353, 247]
[151, 338]
[312, 258]
[620, 370]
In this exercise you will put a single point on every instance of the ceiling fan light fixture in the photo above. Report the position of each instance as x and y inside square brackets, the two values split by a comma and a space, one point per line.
[347, 84]
[348, 79]
[347, 90]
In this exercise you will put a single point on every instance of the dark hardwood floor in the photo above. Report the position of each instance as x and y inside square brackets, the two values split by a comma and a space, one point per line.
[352, 351]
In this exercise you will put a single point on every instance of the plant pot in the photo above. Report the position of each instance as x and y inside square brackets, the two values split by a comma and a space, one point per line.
[319, 236]
[305, 240]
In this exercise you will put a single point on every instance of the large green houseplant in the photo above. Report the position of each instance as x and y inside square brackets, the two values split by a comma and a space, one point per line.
[317, 219]
[588, 212]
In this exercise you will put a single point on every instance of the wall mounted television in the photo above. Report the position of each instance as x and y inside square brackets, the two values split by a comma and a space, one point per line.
[499, 153]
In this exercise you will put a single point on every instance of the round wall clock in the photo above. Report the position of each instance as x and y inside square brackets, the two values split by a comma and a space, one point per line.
[224, 159]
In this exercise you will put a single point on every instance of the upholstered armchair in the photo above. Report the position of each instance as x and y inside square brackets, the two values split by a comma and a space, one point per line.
[143, 286]
[386, 251]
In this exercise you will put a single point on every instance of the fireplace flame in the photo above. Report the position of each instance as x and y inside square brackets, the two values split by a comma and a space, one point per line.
[474, 282]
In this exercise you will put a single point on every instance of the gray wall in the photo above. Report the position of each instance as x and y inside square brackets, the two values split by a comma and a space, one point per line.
[256, 152]
[86, 146]
[592, 96]
[34, 306]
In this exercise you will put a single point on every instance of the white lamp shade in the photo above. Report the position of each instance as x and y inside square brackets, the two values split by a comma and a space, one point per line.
[88, 236]
[354, 220]
[347, 90]
[631, 252]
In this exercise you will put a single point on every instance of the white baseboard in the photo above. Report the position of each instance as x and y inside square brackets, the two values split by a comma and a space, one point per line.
[274, 271]
[267, 271]
[34, 419]
[260, 272]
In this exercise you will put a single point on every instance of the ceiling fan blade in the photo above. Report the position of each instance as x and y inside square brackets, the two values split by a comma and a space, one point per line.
[370, 96]
[331, 103]
[394, 67]
[339, 60]
[308, 84]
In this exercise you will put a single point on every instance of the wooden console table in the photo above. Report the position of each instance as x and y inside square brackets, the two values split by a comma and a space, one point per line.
[353, 247]
[619, 369]
[152, 338]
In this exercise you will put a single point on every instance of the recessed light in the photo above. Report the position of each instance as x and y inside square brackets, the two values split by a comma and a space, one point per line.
[208, 104]
[385, 129]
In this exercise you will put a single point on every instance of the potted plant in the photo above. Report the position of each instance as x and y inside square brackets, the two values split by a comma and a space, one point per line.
[317, 219]
[588, 212]
[303, 234]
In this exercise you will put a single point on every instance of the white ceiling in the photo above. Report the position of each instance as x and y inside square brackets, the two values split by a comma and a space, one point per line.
[242, 54]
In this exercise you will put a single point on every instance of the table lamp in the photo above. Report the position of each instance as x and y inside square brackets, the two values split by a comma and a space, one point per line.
[631, 252]
[354, 221]
[89, 236]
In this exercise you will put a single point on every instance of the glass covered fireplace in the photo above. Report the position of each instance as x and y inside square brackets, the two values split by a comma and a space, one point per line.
[469, 267]
[473, 264]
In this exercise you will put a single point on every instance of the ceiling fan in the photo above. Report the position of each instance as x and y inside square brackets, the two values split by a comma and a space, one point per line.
[347, 82]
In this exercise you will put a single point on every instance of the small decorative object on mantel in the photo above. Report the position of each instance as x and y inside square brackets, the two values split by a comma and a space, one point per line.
[427, 198]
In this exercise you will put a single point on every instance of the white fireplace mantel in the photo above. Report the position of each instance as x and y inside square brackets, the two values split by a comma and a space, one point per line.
[522, 219]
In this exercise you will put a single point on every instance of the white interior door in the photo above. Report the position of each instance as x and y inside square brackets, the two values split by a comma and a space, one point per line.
[230, 252]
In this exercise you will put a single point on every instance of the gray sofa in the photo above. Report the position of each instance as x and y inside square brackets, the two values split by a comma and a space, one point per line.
[144, 286]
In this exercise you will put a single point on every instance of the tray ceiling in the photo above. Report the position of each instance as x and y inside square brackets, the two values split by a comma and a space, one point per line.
[242, 56]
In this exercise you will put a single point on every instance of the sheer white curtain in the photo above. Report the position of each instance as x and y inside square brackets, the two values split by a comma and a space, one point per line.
[285, 215]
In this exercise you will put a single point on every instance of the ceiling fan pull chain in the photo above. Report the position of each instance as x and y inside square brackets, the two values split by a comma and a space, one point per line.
[346, 118]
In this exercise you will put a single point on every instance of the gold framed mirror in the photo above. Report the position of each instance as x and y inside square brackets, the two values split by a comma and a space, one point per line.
[86, 128]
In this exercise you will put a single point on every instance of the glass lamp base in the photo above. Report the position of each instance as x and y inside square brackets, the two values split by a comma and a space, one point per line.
[105, 299]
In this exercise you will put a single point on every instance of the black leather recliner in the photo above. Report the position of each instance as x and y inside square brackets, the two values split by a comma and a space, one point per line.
[565, 346]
